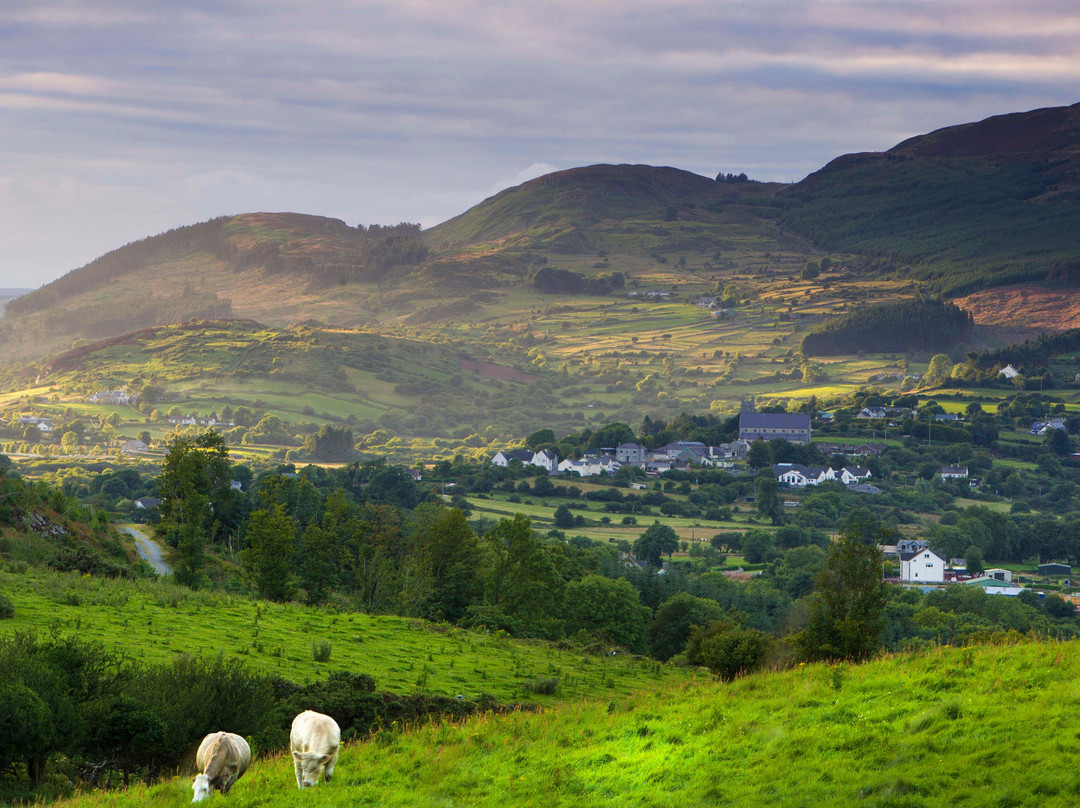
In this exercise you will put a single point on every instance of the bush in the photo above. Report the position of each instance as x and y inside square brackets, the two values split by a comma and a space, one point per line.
[7, 608]
[544, 685]
[320, 651]
[727, 649]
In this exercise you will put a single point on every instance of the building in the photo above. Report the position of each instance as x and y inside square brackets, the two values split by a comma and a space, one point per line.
[792, 427]
[1009, 372]
[1055, 569]
[923, 566]
[954, 472]
[630, 453]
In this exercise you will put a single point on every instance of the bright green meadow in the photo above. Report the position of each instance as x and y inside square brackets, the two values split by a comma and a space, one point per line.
[153, 621]
[988, 726]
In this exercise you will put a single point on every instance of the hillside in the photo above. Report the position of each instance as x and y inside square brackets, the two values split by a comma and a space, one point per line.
[565, 208]
[971, 727]
[966, 207]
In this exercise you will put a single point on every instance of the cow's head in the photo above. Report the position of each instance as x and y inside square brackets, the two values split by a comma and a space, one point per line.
[201, 787]
[311, 767]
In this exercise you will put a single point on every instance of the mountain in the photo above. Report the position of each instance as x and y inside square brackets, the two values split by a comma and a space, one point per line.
[282, 268]
[966, 207]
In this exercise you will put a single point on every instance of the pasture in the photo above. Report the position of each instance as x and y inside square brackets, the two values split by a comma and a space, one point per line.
[153, 621]
[976, 726]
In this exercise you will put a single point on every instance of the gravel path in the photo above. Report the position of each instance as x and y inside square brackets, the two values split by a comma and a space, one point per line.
[148, 550]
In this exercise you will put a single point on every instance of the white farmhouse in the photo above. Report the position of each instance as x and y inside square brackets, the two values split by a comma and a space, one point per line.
[924, 566]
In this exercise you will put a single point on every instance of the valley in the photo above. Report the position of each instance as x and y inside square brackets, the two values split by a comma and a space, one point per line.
[304, 415]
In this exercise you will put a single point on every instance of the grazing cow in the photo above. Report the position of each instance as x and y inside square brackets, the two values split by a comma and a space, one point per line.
[222, 758]
[314, 742]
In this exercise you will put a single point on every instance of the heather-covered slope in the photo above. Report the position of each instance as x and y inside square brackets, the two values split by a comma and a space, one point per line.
[968, 207]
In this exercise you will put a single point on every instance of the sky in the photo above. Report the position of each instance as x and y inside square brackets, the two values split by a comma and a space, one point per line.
[120, 119]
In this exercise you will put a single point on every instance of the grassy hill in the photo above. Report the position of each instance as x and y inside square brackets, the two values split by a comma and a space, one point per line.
[968, 206]
[152, 621]
[986, 726]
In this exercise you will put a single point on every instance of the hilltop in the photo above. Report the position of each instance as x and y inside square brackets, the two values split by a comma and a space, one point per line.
[966, 207]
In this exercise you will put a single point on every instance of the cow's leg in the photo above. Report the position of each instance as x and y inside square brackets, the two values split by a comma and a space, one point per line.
[330, 764]
[299, 768]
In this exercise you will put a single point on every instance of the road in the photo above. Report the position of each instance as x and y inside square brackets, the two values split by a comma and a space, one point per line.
[148, 550]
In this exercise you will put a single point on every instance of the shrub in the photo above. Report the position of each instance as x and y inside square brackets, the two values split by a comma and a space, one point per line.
[7, 608]
[321, 649]
[544, 685]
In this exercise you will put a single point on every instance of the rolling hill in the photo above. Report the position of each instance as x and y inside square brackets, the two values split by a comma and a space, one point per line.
[972, 727]
[966, 207]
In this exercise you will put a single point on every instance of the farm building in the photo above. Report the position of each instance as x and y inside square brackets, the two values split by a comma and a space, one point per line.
[1054, 568]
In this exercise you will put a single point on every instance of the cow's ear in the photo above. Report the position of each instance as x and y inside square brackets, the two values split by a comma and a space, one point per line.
[324, 759]
[297, 756]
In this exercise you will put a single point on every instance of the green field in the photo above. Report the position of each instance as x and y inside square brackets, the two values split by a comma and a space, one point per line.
[153, 621]
[983, 726]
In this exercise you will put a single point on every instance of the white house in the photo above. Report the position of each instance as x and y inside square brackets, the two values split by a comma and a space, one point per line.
[954, 472]
[1009, 372]
[924, 566]
[799, 476]
[850, 475]
[504, 457]
[590, 466]
[546, 459]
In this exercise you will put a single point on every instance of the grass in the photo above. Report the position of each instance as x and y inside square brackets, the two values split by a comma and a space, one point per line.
[989, 726]
[152, 621]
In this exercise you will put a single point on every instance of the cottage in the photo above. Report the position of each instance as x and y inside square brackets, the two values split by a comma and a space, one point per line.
[147, 503]
[872, 413]
[924, 566]
[133, 447]
[503, 458]
[868, 450]
[1009, 372]
[850, 475]
[954, 472]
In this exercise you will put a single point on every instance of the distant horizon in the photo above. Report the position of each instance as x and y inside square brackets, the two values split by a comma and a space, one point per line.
[125, 119]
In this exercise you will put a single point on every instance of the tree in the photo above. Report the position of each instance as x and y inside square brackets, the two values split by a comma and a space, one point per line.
[272, 552]
[607, 609]
[758, 546]
[1057, 441]
[938, 371]
[442, 540]
[657, 540]
[760, 454]
[767, 496]
[197, 502]
[845, 615]
[726, 648]
[521, 580]
[563, 517]
[318, 571]
[973, 560]
[673, 620]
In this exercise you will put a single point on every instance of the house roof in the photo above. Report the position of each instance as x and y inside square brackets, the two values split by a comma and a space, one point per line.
[961, 470]
[920, 551]
[774, 420]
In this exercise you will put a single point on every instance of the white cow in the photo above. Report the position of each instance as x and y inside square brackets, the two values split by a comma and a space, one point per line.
[222, 758]
[314, 741]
